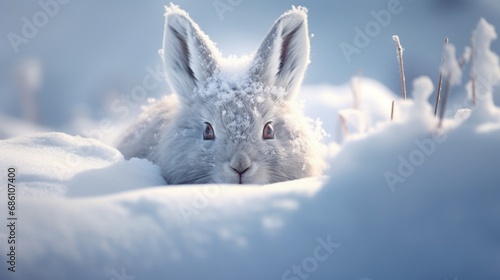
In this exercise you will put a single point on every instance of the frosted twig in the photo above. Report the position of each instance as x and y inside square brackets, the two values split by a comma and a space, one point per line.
[343, 122]
[452, 72]
[401, 66]
[355, 85]
[440, 82]
[392, 110]
[445, 98]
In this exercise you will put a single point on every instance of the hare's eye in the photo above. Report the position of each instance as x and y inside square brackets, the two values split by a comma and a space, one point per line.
[208, 132]
[268, 132]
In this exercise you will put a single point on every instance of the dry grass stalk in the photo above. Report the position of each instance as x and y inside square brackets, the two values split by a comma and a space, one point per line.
[440, 82]
[343, 123]
[443, 103]
[355, 85]
[401, 66]
[392, 111]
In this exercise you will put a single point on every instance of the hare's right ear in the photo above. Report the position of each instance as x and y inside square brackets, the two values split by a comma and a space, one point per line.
[282, 58]
[189, 56]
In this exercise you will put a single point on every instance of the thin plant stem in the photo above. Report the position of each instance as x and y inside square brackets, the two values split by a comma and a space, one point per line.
[401, 66]
[392, 111]
[443, 103]
[343, 122]
[440, 82]
[355, 85]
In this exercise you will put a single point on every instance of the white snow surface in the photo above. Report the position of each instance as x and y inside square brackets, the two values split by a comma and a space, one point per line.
[401, 201]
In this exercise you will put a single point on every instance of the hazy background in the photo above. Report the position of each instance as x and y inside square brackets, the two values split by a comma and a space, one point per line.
[90, 55]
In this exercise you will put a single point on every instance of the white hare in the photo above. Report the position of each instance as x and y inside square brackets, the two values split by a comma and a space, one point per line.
[235, 122]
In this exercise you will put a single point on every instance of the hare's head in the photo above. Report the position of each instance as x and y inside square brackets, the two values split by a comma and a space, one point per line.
[238, 123]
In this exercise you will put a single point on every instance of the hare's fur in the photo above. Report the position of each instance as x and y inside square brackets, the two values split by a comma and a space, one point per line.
[238, 99]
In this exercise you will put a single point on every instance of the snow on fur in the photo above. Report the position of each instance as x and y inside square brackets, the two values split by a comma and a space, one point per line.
[236, 104]
[397, 188]
[401, 201]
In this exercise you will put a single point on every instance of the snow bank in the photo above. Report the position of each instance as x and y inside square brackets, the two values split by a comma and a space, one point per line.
[402, 200]
[59, 164]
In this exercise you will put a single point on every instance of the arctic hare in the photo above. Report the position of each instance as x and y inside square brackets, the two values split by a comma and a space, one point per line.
[234, 122]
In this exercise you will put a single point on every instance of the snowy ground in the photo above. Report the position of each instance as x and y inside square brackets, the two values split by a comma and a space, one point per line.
[86, 65]
[402, 199]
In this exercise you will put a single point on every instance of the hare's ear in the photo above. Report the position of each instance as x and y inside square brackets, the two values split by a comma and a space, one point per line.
[189, 55]
[282, 58]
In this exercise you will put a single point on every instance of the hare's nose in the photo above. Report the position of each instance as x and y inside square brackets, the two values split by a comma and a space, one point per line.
[240, 172]
[240, 163]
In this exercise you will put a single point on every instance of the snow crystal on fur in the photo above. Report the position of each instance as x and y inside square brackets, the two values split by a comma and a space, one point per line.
[237, 97]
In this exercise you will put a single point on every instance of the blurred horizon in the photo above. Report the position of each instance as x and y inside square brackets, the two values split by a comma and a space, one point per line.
[69, 64]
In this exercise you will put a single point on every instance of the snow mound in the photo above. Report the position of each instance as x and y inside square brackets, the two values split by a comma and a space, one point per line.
[397, 191]
[56, 163]
[403, 199]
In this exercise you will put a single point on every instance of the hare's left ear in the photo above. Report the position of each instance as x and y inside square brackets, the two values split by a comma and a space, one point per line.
[190, 57]
[282, 58]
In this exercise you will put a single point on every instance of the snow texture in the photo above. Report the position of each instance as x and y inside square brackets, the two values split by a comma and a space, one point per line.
[237, 105]
[486, 65]
[402, 200]
[429, 214]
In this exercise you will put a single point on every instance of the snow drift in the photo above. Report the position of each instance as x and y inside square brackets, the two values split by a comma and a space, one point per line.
[402, 200]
